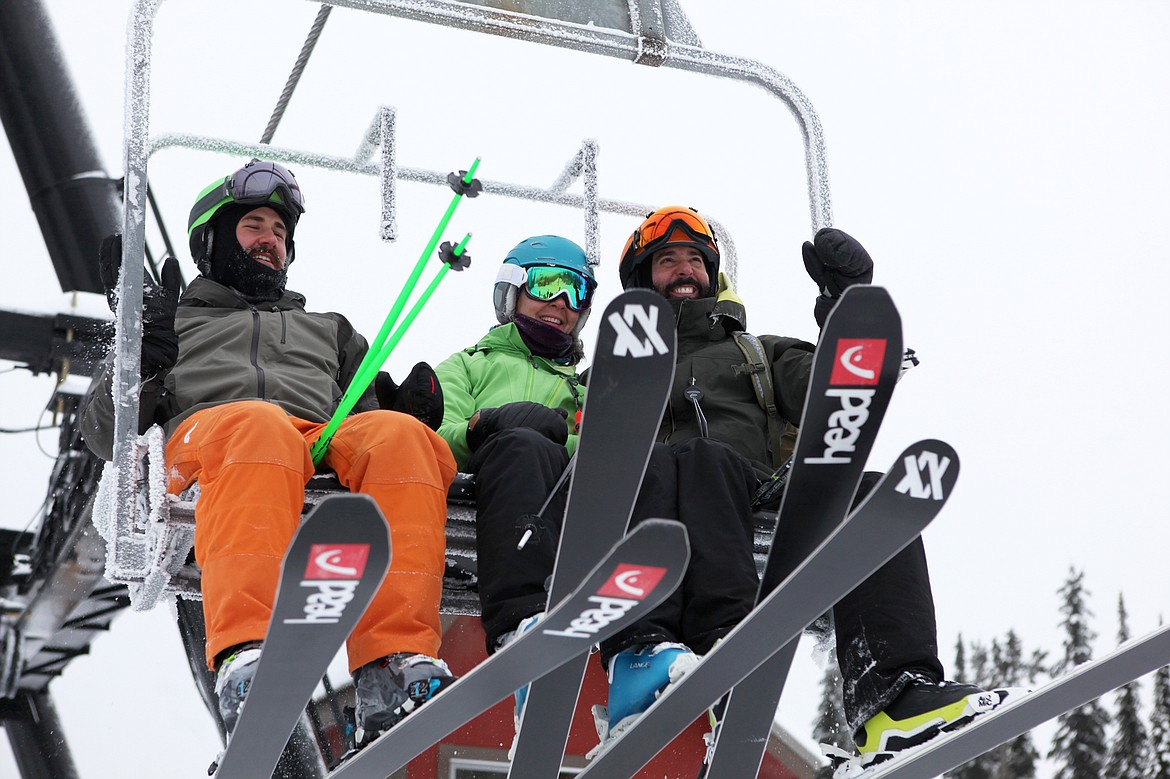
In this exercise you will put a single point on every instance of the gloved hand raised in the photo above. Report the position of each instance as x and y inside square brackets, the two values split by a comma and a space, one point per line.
[160, 342]
[420, 395]
[836, 261]
[549, 422]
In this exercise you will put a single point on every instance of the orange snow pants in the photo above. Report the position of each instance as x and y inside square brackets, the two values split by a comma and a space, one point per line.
[252, 462]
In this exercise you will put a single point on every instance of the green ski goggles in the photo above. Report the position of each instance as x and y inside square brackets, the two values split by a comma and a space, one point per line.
[547, 283]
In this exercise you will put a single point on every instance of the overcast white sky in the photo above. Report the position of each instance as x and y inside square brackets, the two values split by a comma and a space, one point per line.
[1005, 164]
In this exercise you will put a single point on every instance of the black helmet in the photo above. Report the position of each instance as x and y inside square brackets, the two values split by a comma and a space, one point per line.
[256, 184]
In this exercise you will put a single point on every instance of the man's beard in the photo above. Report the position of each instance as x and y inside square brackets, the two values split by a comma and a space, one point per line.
[256, 282]
[703, 291]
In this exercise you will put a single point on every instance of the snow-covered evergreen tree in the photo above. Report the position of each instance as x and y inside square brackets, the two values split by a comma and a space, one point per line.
[1159, 767]
[1016, 759]
[1129, 749]
[1079, 747]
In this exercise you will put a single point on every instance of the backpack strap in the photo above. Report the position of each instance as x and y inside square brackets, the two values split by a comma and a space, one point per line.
[781, 433]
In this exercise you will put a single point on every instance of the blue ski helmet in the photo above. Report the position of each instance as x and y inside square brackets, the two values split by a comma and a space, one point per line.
[545, 251]
[256, 184]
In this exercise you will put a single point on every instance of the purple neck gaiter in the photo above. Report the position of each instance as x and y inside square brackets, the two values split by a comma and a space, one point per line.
[543, 339]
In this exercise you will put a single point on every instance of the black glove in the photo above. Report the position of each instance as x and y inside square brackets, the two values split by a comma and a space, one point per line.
[420, 395]
[160, 342]
[835, 261]
[549, 422]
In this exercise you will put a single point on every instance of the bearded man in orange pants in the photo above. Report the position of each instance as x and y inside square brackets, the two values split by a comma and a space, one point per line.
[243, 379]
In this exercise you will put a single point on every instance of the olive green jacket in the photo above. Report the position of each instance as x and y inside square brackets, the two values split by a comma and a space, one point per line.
[709, 359]
[232, 350]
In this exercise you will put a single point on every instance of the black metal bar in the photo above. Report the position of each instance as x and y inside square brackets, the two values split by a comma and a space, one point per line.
[37, 738]
[75, 202]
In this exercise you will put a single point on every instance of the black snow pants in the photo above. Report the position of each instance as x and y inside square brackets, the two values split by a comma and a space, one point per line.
[885, 628]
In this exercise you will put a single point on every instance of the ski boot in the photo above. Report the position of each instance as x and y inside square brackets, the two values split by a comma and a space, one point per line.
[637, 677]
[233, 680]
[388, 689]
[921, 712]
[520, 695]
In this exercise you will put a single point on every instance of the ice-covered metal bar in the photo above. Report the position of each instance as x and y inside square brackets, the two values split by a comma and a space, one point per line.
[389, 174]
[595, 39]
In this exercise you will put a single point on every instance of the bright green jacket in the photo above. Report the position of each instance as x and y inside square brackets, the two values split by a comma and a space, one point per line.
[501, 369]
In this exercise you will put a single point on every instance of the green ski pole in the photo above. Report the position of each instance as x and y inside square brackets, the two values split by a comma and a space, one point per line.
[462, 185]
[450, 257]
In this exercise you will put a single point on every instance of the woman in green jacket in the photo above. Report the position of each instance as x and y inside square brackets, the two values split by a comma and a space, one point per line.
[511, 409]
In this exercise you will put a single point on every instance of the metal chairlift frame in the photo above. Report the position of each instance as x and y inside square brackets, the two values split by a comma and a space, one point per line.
[136, 550]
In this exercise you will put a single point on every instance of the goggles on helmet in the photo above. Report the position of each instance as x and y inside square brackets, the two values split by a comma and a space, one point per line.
[548, 282]
[660, 227]
[257, 183]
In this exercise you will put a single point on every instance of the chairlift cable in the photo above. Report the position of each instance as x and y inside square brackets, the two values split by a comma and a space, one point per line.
[295, 76]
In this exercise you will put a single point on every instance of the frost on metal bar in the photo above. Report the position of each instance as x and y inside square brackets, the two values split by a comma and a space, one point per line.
[389, 174]
[592, 220]
[673, 45]
[647, 32]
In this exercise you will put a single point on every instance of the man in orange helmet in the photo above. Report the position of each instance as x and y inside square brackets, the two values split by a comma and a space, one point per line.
[715, 446]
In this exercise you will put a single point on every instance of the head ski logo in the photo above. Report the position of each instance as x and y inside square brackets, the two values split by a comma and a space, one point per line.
[626, 343]
[632, 581]
[331, 576]
[337, 561]
[859, 361]
[627, 585]
[844, 426]
[933, 467]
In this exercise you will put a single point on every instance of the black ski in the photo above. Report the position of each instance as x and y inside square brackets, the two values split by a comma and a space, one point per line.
[1084, 683]
[853, 378]
[639, 572]
[332, 569]
[629, 383]
[894, 514]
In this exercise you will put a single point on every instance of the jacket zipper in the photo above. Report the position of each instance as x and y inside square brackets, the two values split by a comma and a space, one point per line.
[255, 356]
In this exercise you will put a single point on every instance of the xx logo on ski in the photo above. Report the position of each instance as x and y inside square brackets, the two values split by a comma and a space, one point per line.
[337, 561]
[844, 426]
[331, 575]
[626, 342]
[632, 581]
[930, 464]
[858, 361]
[625, 587]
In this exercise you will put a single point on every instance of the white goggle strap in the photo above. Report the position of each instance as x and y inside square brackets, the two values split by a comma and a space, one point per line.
[513, 274]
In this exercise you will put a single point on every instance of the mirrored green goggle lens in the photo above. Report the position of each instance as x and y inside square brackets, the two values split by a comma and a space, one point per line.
[548, 283]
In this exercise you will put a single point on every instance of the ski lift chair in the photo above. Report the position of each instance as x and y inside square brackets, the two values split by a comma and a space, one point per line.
[149, 534]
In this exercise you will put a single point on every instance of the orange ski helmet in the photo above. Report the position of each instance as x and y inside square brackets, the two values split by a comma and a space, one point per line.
[670, 224]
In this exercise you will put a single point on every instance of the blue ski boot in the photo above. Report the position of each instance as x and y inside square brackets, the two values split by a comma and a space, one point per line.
[520, 695]
[388, 689]
[637, 677]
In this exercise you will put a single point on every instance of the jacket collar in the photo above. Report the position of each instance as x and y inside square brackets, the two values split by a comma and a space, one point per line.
[698, 318]
[506, 338]
[203, 292]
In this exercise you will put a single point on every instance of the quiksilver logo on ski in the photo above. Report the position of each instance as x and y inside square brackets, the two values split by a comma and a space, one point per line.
[928, 463]
[844, 426]
[626, 342]
[331, 576]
